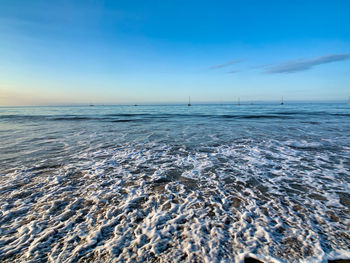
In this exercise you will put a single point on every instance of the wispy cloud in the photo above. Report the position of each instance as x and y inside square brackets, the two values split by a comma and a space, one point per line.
[232, 71]
[226, 64]
[306, 64]
[261, 66]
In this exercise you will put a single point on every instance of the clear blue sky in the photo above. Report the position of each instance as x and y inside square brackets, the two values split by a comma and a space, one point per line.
[63, 52]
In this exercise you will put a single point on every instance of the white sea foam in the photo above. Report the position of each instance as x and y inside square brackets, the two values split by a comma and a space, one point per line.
[156, 202]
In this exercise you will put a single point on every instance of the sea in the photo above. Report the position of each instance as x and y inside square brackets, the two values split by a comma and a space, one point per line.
[171, 183]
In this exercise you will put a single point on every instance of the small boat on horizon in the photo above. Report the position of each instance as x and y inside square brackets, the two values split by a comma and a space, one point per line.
[189, 101]
[282, 103]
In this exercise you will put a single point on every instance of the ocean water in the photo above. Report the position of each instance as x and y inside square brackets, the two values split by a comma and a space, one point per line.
[207, 183]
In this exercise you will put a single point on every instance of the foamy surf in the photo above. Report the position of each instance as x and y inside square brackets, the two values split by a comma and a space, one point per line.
[161, 192]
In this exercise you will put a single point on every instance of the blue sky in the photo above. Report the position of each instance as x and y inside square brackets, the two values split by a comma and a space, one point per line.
[67, 52]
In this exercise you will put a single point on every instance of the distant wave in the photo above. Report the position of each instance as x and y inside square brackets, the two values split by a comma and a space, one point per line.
[75, 118]
[255, 117]
[126, 117]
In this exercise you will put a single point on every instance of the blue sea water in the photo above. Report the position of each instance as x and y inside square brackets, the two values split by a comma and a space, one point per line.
[170, 183]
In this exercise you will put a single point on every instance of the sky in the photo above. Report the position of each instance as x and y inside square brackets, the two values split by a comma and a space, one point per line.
[115, 52]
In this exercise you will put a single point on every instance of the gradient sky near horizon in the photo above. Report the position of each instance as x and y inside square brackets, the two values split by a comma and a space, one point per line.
[68, 52]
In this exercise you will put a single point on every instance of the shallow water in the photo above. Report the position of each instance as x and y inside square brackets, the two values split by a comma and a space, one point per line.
[207, 183]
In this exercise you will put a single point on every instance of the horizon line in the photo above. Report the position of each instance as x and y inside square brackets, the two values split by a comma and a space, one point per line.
[244, 102]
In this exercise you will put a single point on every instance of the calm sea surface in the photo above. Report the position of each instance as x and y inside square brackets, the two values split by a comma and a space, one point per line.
[206, 183]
